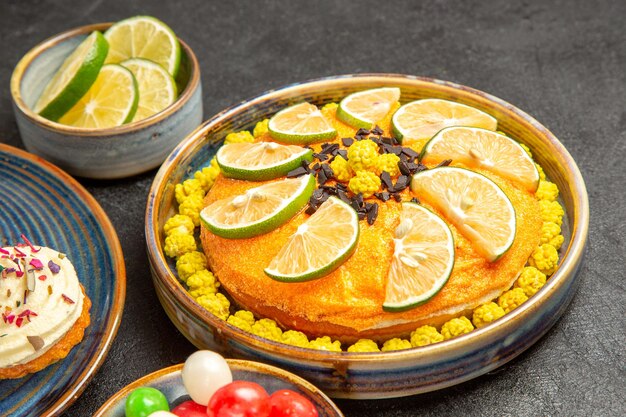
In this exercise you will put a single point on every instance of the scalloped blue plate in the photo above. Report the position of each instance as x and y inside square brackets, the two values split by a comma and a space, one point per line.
[52, 209]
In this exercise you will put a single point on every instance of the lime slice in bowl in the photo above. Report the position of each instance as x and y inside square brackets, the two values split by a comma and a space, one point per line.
[157, 88]
[111, 101]
[366, 108]
[473, 203]
[300, 124]
[422, 119]
[260, 161]
[481, 148]
[422, 261]
[259, 210]
[319, 246]
[144, 37]
[74, 78]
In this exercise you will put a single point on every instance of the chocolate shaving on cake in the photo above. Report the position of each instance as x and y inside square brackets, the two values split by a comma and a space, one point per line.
[386, 179]
[383, 196]
[372, 213]
[444, 163]
[416, 200]
[298, 172]
[347, 142]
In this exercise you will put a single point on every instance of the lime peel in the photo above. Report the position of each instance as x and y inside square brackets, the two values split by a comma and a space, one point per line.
[423, 259]
[284, 199]
[260, 161]
[365, 108]
[334, 222]
[74, 78]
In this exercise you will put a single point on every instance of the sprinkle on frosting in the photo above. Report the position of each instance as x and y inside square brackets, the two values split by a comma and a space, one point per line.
[32, 247]
[67, 299]
[54, 268]
[36, 263]
[36, 341]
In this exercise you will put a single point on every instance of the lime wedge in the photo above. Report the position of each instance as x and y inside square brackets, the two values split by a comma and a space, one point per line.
[260, 210]
[480, 148]
[422, 260]
[421, 119]
[365, 108]
[300, 124]
[111, 101]
[319, 246]
[260, 161]
[473, 203]
[144, 37]
[157, 89]
[72, 80]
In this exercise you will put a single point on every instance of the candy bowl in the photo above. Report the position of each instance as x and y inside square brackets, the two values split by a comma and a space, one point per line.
[385, 374]
[101, 153]
[169, 381]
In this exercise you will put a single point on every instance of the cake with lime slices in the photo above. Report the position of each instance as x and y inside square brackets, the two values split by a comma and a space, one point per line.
[371, 219]
[366, 222]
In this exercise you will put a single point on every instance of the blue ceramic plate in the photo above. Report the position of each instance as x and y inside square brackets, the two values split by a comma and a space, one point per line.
[169, 381]
[52, 209]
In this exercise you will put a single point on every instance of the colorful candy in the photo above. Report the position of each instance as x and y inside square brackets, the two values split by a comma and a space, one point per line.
[239, 399]
[145, 401]
[208, 380]
[204, 373]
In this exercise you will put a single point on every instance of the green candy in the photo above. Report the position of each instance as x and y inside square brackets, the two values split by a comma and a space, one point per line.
[144, 401]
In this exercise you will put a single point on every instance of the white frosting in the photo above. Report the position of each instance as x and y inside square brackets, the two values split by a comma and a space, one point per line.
[56, 314]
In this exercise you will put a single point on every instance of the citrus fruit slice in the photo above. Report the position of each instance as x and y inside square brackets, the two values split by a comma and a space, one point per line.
[144, 37]
[473, 203]
[302, 123]
[480, 148]
[260, 161]
[111, 100]
[73, 79]
[421, 119]
[319, 246]
[157, 88]
[259, 210]
[422, 260]
[365, 108]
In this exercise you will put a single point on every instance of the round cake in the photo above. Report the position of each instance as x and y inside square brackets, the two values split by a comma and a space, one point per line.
[347, 303]
[44, 309]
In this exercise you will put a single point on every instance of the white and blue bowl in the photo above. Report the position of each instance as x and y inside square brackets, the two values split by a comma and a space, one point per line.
[108, 153]
[377, 374]
[170, 382]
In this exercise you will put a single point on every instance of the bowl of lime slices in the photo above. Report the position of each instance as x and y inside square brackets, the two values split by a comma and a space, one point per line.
[107, 100]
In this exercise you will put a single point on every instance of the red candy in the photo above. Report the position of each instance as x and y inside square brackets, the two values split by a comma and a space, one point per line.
[190, 409]
[239, 399]
[287, 403]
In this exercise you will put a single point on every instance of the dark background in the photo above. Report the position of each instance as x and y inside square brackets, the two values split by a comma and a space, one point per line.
[564, 62]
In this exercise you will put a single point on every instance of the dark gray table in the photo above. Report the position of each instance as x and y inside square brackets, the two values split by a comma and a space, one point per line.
[564, 62]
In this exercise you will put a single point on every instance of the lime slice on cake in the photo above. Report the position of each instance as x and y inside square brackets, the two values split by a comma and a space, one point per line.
[300, 124]
[422, 119]
[319, 246]
[111, 101]
[157, 88]
[74, 78]
[480, 148]
[473, 204]
[365, 108]
[259, 210]
[260, 161]
[422, 260]
[144, 37]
